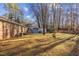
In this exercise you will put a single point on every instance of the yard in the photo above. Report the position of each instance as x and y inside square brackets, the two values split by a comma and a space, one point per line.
[39, 44]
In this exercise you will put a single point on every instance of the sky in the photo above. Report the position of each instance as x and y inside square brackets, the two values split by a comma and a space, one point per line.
[25, 7]
[26, 10]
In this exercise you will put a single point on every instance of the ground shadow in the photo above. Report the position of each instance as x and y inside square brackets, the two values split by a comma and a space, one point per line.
[41, 50]
[75, 51]
[37, 48]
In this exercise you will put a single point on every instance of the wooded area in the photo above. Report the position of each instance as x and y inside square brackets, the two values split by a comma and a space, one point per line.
[54, 18]
[43, 29]
[51, 17]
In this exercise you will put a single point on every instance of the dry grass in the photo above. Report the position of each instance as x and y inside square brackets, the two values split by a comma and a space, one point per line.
[64, 49]
[21, 45]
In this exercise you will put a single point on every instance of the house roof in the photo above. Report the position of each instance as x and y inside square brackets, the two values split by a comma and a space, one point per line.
[6, 20]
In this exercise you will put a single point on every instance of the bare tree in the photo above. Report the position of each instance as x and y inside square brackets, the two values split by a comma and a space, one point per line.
[40, 11]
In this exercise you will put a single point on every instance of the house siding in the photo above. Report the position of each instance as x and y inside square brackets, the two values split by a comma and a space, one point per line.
[10, 29]
[1, 31]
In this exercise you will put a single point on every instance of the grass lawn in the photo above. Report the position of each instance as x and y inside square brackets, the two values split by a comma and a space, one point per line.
[63, 49]
[28, 43]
